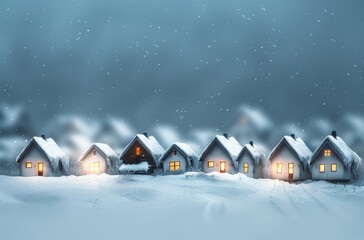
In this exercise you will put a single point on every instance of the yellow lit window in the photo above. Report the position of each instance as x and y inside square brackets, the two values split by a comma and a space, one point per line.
[210, 164]
[28, 165]
[333, 167]
[290, 168]
[174, 166]
[94, 167]
[279, 168]
[246, 167]
[327, 152]
[322, 168]
[137, 151]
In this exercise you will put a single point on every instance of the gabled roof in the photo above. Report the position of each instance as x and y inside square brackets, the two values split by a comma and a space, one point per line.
[150, 144]
[255, 152]
[297, 146]
[229, 145]
[347, 155]
[104, 149]
[185, 150]
[50, 149]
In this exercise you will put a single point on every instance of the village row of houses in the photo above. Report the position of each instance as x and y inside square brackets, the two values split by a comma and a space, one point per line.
[291, 159]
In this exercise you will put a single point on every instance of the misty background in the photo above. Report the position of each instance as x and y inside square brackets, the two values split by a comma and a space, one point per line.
[88, 70]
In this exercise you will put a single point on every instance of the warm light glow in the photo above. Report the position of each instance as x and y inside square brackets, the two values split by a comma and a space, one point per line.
[327, 152]
[333, 167]
[222, 167]
[28, 165]
[137, 151]
[279, 168]
[174, 166]
[322, 168]
[94, 167]
[290, 168]
[246, 167]
[210, 164]
[40, 167]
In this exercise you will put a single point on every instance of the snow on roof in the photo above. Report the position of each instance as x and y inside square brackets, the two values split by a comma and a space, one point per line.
[186, 149]
[52, 151]
[229, 144]
[143, 166]
[104, 149]
[345, 153]
[255, 151]
[297, 145]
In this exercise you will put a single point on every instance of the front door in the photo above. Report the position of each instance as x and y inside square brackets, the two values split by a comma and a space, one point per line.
[40, 169]
[223, 167]
[290, 171]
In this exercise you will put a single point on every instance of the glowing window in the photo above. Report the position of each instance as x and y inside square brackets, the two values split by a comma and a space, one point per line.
[28, 165]
[322, 168]
[333, 167]
[174, 152]
[279, 168]
[137, 151]
[94, 152]
[246, 167]
[290, 168]
[327, 152]
[174, 166]
[94, 167]
[210, 164]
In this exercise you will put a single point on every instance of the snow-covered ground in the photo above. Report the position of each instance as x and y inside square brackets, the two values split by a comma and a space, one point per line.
[191, 206]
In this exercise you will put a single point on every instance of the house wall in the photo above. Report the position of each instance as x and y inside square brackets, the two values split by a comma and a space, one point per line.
[342, 172]
[90, 158]
[246, 158]
[35, 156]
[129, 157]
[217, 154]
[172, 158]
[284, 155]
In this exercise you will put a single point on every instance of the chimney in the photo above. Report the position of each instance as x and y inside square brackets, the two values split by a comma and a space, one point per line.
[251, 143]
[293, 136]
[334, 134]
[145, 134]
[43, 136]
[226, 135]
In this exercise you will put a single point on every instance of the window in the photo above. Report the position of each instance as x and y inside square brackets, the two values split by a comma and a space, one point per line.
[174, 166]
[94, 167]
[327, 152]
[174, 152]
[94, 152]
[279, 168]
[28, 165]
[290, 168]
[137, 151]
[246, 167]
[210, 164]
[322, 168]
[333, 167]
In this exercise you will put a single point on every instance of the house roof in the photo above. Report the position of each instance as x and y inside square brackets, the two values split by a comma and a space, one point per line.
[256, 153]
[151, 145]
[185, 150]
[345, 153]
[103, 149]
[297, 145]
[50, 149]
[230, 145]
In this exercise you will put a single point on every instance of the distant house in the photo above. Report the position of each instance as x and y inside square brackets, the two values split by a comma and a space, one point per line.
[43, 157]
[220, 155]
[251, 161]
[99, 158]
[178, 159]
[334, 160]
[288, 160]
[141, 155]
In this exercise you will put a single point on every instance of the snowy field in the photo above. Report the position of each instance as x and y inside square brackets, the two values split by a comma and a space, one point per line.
[191, 206]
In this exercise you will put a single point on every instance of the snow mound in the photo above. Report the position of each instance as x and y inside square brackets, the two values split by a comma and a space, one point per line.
[131, 168]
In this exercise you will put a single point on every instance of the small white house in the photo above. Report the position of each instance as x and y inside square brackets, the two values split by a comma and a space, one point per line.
[288, 160]
[99, 158]
[178, 159]
[251, 161]
[333, 160]
[220, 155]
[43, 157]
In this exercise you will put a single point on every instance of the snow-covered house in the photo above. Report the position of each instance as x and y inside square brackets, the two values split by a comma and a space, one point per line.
[334, 160]
[141, 155]
[43, 157]
[288, 160]
[220, 155]
[99, 158]
[251, 161]
[179, 158]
